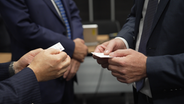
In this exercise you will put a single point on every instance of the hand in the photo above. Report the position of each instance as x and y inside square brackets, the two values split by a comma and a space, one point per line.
[25, 60]
[72, 70]
[107, 48]
[80, 51]
[50, 64]
[128, 65]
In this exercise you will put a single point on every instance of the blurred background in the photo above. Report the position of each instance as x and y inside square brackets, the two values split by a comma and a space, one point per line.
[95, 84]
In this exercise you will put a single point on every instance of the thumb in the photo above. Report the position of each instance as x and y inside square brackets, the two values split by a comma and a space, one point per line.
[120, 53]
[53, 51]
[109, 48]
[36, 51]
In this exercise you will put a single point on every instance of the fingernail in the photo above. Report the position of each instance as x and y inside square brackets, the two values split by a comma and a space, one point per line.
[111, 54]
[64, 76]
[106, 51]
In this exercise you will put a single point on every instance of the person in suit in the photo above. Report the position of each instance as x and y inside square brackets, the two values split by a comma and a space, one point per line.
[157, 70]
[42, 23]
[23, 87]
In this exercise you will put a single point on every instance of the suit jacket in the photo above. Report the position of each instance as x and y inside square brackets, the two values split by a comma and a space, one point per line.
[21, 88]
[36, 24]
[165, 50]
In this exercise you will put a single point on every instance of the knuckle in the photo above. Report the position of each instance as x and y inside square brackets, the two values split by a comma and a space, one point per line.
[123, 71]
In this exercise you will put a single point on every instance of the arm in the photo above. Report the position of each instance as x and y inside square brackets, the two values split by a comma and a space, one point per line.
[80, 50]
[21, 88]
[26, 31]
[128, 30]
[168, 70]
[4, 73]
[78, 33]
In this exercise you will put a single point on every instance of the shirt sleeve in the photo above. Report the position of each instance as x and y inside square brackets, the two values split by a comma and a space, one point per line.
[126, 43]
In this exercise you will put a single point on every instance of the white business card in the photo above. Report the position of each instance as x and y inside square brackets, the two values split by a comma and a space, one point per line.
[58, 46]
[101, 55]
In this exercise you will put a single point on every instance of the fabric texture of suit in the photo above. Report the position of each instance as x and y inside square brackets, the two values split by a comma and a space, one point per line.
[36, 24]
[21, 88]
[165, 50]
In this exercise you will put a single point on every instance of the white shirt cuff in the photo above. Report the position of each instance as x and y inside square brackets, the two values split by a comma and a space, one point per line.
[126, 43]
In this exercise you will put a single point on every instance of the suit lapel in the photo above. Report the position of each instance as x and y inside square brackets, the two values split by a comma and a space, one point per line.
[162, 5]
[51, 6]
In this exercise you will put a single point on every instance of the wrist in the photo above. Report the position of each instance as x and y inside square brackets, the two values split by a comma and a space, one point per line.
[35, 72]
[11, 69]
[16, 67]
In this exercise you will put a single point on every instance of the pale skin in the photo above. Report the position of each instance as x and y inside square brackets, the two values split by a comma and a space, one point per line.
[126, 65]
[46, 64]
[72, 70]
[79, 54]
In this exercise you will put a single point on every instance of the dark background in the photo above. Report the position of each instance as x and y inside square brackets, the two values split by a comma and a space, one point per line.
[101, 10]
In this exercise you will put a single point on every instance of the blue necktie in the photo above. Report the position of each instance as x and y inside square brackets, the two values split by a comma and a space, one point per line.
[63, 15]
[150, 13]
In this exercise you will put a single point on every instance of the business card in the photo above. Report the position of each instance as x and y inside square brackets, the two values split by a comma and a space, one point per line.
[101, 55]
[58, 46]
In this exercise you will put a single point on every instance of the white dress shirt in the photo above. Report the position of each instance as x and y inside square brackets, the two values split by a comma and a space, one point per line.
[146, 88]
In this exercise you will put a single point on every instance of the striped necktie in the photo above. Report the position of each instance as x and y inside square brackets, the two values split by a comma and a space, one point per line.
[63, 16]
[149, 17]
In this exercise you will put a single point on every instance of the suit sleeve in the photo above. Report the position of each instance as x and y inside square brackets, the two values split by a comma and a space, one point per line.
[168, 70]
[127, 32]
[21, 88]
[4, 73]
[31, 35]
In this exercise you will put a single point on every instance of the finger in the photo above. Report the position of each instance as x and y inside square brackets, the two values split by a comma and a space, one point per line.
[53, 51]
[74, 68]
[121, 53]
[36, 51]
[104, 65]
[95, 57]
[121, 80]
[70, 75]
[67, 72]
[67, 61]
[100, 48]
[116, 74]
[102, 61]
[63, 71]
[118, 61]
[82, 41]
[61, 56]
[110, 47]
[115, 68]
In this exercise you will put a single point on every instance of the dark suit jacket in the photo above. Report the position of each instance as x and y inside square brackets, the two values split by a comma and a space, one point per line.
[36, 24]
[21, 88]
[165, 49]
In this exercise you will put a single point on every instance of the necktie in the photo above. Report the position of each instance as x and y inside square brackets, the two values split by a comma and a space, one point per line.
[63, 16]
[150, 13]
